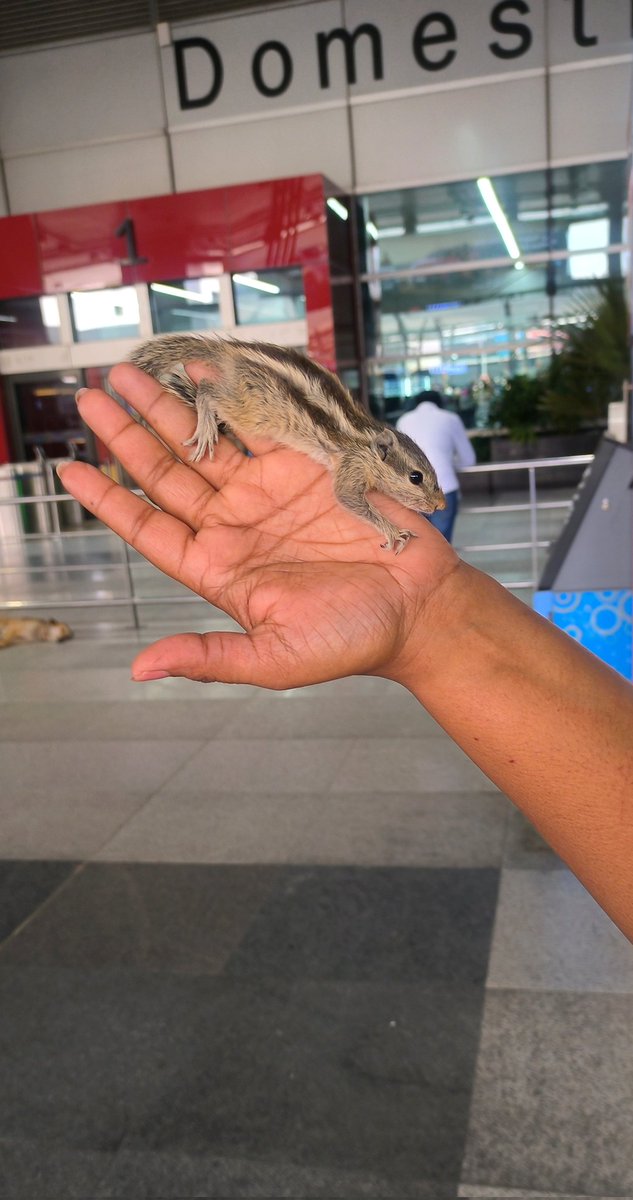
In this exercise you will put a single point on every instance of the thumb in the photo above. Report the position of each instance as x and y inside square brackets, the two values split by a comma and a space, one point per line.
[210, 658]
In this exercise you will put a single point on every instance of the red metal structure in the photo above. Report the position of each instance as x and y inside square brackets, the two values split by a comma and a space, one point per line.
[277, 223]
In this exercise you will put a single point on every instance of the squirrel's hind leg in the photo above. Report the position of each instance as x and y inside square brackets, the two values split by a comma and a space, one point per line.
[207, 430]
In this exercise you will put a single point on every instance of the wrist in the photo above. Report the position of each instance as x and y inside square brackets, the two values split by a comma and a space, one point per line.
[458, 627]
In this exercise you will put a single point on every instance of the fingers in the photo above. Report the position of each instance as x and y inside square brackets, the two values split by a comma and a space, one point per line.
[169, 483]
[209, 658]
[174, 421]
[163, 540]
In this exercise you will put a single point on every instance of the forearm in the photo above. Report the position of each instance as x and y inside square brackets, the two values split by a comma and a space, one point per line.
[543, 718]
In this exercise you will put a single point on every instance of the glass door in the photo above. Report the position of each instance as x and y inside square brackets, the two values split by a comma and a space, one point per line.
[43, 417]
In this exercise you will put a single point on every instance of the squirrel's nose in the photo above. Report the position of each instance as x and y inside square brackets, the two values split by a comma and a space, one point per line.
[440, 500]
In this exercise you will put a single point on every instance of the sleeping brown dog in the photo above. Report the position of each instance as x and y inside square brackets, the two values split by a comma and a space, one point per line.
[30, 629]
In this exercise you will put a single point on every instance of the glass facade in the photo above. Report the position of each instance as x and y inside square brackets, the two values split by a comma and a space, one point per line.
[468, 283]
[185, 305]
[105, 314]
[29, 321]
[265, 297]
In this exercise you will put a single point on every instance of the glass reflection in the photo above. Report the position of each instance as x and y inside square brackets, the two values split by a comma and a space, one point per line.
[29, 321]
[265, 297]
[450, 222]
[185, 305]
[105, 314]
[451, 331]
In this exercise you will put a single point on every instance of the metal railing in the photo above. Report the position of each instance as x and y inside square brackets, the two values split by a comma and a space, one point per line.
[122, 560]
[533, 507]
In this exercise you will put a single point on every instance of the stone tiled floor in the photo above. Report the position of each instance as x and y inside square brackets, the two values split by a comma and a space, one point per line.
[287, 945]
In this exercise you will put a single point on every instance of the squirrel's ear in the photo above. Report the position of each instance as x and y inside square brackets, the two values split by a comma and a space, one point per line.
[385, 441]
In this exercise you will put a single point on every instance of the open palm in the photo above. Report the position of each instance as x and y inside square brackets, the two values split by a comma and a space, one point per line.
[264, 539]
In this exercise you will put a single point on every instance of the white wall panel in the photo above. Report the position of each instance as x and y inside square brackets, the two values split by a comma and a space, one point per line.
[88, 175]
[80, 93]
[236, 40]
[590, 112]
[450, 134]
[303, 144]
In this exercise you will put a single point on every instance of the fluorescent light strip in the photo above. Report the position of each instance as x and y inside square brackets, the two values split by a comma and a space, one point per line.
[168, 290]
[372, 231]
[259, 284]
[491, 201]
[338, 208]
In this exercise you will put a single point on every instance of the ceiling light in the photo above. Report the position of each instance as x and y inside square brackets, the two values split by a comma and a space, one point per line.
[253, 282]
[491, 201]
[371, 229]
[389, 231]
[338, 208]
[167, 290]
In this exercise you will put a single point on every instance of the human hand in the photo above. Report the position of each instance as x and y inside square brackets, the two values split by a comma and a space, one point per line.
[264, 539]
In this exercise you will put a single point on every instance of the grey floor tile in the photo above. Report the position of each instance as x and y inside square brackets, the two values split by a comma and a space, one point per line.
[431, 764]
[80, 652]
[161, 918]
[146, 1176]
[551, 1109]
[212, 827]
[24, 887]
[431, 926]
[42, 825]
[30, 721]
[291, 765]
[331, 714]
[451, 829]
[35, 1170]
[524, 848]
[550, 934]
[109, 683]
[472, 1192]
[357, 1078]
[113, 720]
[67, 685]
[132, 768]
[441, 829]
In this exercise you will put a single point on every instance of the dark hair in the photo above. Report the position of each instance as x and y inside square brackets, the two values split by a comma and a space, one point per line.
[432, 396]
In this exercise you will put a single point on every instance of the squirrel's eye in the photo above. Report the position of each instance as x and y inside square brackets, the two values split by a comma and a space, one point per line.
[416, 477]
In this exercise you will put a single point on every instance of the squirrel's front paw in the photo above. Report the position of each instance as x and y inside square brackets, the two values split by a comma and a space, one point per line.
[398, 540]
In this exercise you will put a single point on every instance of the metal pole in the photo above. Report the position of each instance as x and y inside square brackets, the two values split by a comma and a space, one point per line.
[130, 585]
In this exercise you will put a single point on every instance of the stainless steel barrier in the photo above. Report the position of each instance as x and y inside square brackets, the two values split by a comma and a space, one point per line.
[533, 507]
[17, 535]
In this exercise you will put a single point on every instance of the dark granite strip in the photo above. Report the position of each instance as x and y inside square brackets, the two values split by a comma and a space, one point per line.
[424, 925]
[363, 1078]
[152, 916]
[409, 924]
[37, 1170]
[24, 886]
[155, 1176]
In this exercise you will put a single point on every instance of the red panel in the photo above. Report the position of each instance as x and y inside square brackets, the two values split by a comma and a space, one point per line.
[276, 223]
[19, 260]
[181, 236]
[79, 248]
[319, 314]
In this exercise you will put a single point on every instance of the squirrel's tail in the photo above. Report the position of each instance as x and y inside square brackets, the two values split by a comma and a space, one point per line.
[163, 357]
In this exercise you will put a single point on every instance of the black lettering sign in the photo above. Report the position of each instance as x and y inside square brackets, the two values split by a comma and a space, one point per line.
[197, 43]
[349, 42]
[580, 37]
[268, 89]
[523, 32]
[422, 39]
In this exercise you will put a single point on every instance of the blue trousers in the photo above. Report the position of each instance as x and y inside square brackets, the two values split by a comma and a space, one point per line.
[444, 521]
